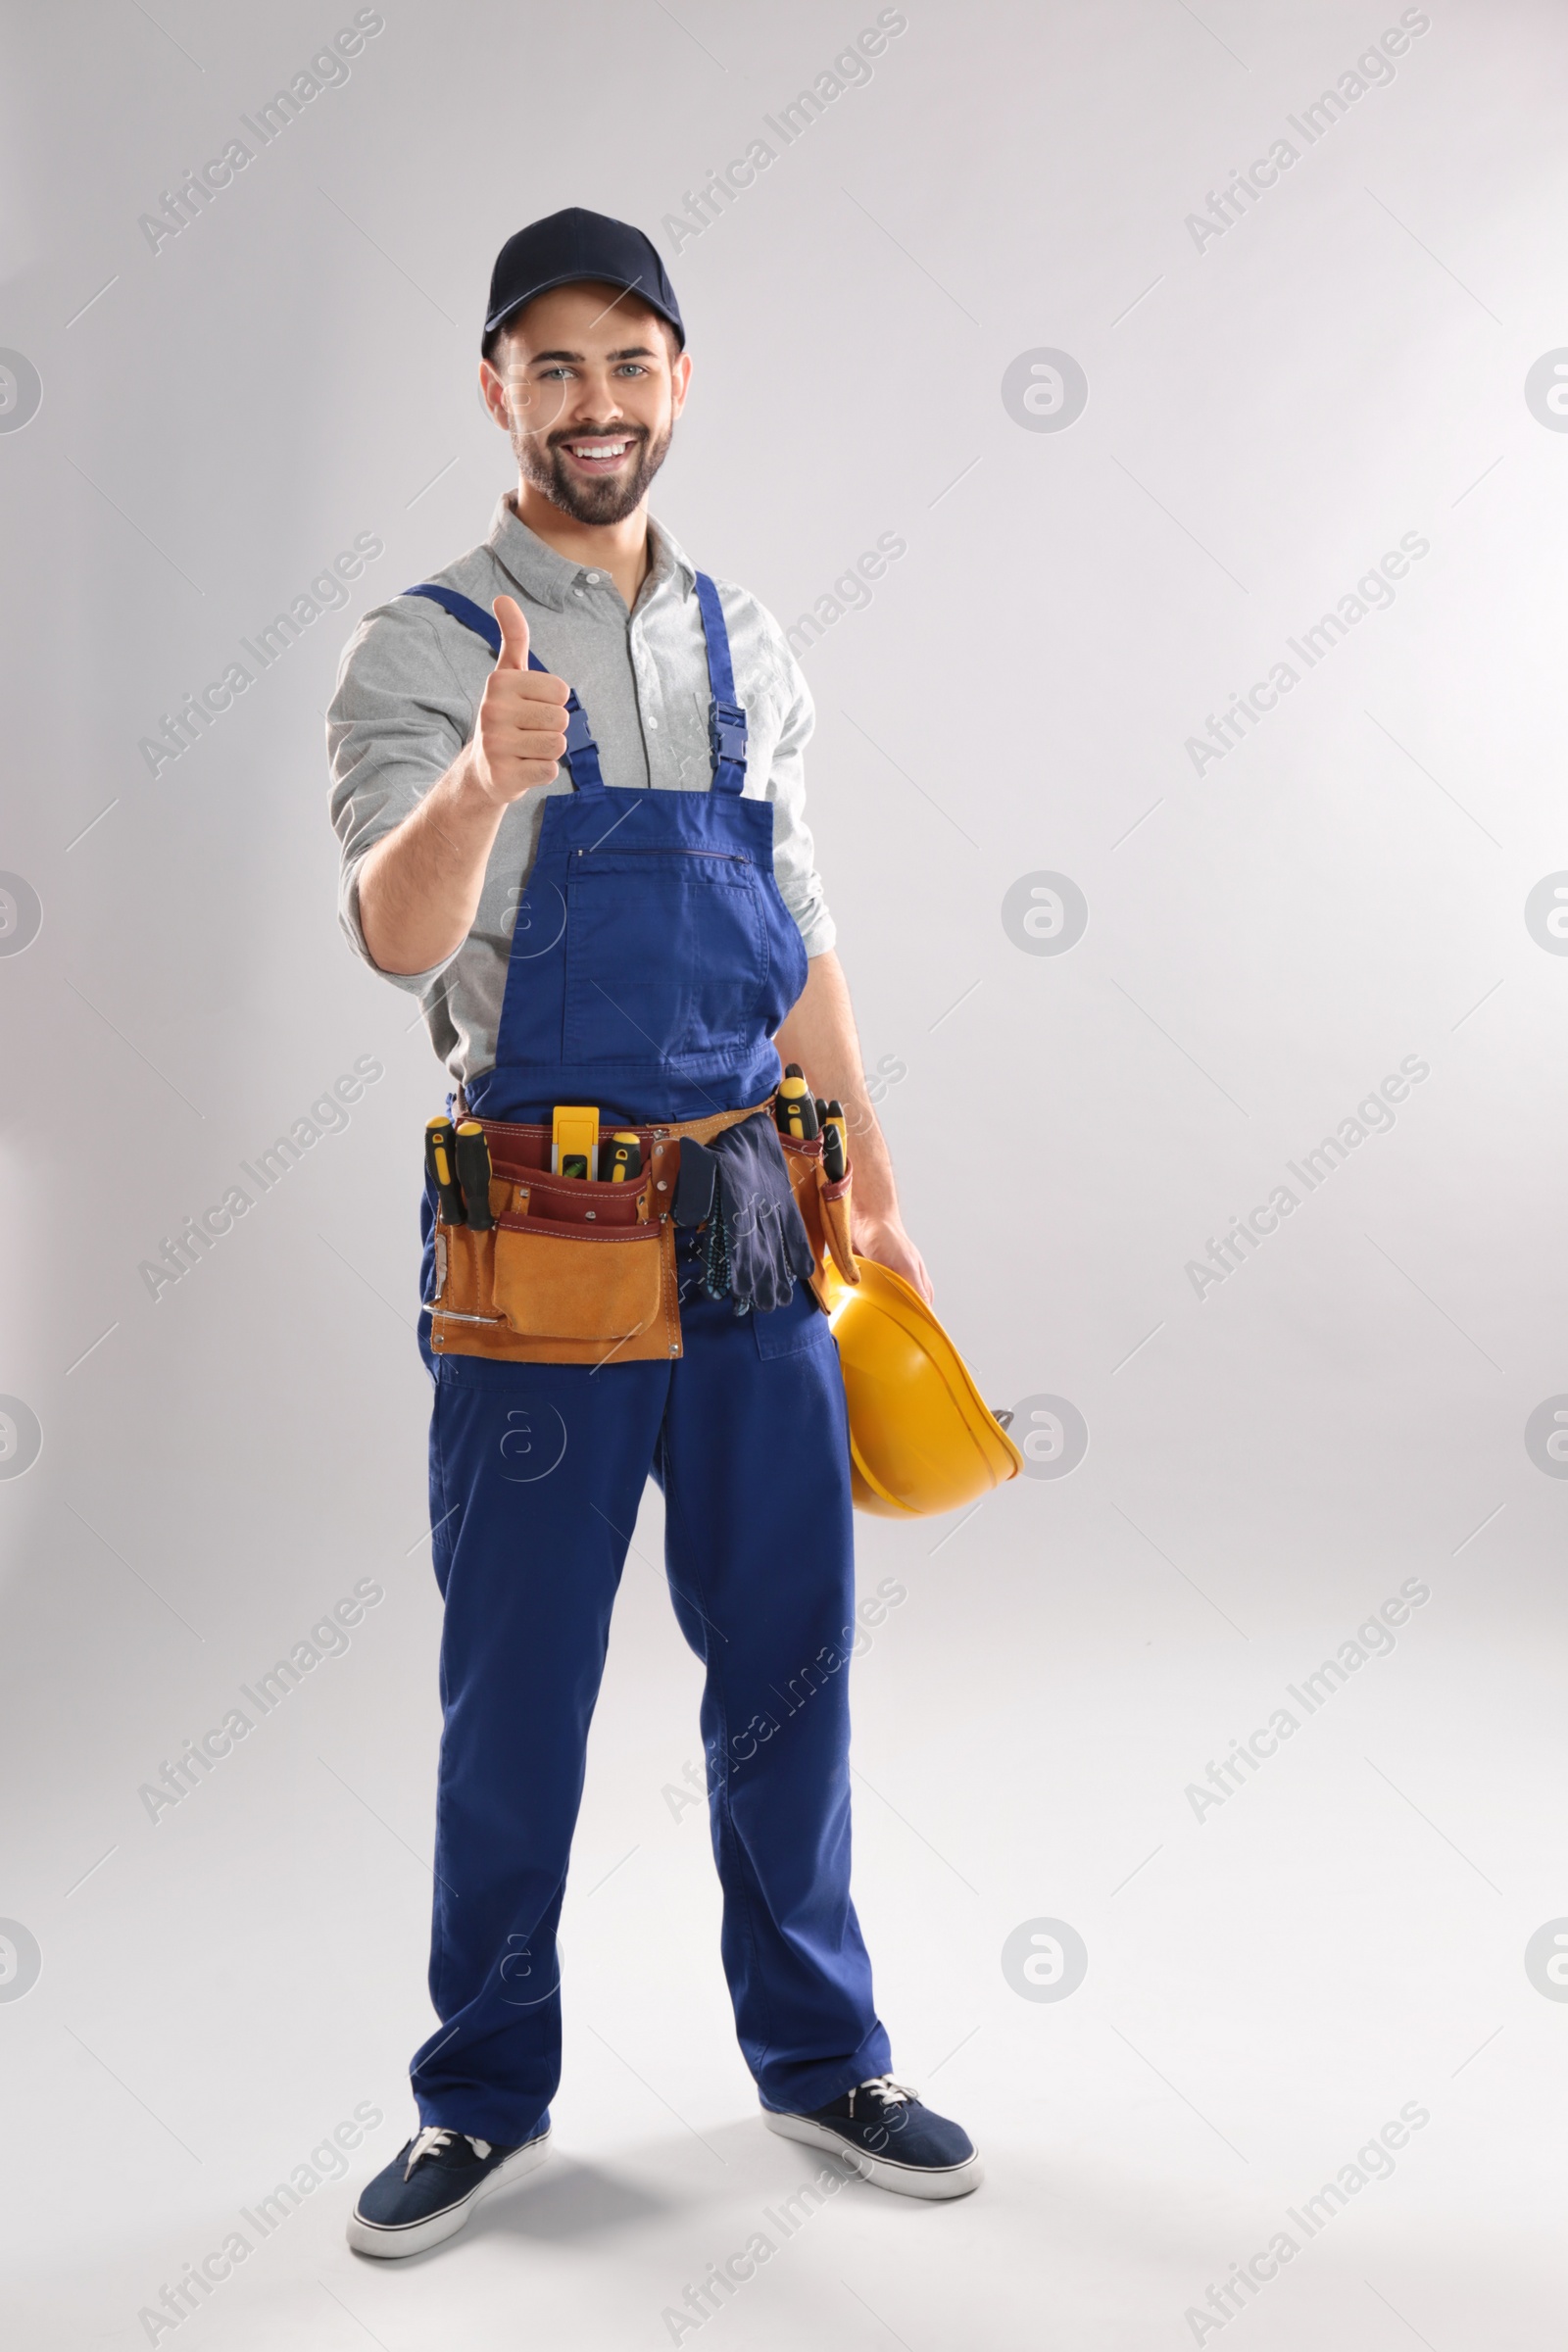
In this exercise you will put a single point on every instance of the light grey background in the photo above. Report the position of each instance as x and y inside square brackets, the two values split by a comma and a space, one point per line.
[1266, 1987]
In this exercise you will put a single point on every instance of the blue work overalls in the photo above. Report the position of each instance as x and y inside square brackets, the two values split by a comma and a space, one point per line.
[652, 959]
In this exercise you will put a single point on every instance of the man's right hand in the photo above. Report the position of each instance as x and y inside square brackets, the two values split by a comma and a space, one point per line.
[419, 887]
[521, 732]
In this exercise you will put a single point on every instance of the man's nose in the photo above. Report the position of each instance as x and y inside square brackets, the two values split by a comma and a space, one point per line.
[597, 400]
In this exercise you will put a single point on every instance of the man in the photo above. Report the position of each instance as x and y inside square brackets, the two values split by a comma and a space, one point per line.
[644, 931]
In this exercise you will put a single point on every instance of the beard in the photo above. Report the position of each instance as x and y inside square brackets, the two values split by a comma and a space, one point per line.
[609, 499]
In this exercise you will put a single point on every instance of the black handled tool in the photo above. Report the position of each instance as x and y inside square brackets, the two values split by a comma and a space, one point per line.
[621, 1158]
[794, 1110]
[835, 1143]
[440, 1163]
[473, 1174]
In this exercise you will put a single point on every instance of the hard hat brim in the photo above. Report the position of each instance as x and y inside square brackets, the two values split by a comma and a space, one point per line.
[922, 1440]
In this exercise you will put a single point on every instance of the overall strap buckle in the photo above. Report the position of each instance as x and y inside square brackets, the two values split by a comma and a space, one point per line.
[727, 732]
[726, 720]
[582, 753]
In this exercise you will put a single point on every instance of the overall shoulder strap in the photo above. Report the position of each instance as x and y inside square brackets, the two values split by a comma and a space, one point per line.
[461, 607]
[726, 720]
[582, 753]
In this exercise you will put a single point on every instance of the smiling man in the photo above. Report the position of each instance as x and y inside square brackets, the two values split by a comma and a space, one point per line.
[567, 785]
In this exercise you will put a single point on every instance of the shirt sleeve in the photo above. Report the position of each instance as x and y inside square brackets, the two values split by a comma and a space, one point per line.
[397, 720]
[794, 852]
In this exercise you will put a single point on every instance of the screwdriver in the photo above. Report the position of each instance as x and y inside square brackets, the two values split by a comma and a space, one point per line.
[794, 1109]
[440, 1167]
[835, 1145]
[624, 1155]
[473, 1174]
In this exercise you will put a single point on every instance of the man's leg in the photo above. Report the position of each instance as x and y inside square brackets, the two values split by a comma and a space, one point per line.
[753, 1460]
[536, 1472]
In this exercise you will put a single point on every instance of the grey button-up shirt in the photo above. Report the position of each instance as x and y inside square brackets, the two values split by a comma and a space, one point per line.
[408, 694]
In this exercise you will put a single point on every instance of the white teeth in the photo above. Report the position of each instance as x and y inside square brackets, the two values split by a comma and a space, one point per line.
[600, 448]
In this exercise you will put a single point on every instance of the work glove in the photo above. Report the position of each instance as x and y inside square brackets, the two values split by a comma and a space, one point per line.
[757, 1242]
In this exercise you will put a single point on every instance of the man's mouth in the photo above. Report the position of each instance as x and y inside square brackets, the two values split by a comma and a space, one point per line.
[598, 452]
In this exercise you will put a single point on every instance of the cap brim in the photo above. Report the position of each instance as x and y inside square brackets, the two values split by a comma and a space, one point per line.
[579, 277]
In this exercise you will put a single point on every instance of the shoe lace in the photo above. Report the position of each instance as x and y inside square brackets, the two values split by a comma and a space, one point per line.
[891, 2093]
[434, 2141]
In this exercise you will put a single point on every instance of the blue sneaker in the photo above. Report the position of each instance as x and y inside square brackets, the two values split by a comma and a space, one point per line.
[432, 2184]
[881, 2131]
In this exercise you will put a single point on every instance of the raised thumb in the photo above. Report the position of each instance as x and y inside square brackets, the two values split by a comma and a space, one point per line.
[514, 626]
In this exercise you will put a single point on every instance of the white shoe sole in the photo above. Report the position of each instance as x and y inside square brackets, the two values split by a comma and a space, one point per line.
[412, 2238]
[904, 2179]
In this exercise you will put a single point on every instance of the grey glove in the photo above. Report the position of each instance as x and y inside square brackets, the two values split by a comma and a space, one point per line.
[758, 1246]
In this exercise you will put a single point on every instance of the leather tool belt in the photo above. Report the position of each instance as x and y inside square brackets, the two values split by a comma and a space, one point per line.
[574, 1271]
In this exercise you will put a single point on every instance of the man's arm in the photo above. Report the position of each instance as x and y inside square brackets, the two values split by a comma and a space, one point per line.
[819, 1034]
[419, 886]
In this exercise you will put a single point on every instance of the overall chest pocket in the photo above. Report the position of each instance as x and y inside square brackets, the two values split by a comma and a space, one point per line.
[666, 955]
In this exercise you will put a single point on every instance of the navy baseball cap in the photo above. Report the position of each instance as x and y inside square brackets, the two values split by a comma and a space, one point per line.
[572, 245]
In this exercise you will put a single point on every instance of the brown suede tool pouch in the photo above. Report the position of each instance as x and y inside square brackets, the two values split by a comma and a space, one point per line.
[833, 1201]
[572, 1272]
[824, 1210]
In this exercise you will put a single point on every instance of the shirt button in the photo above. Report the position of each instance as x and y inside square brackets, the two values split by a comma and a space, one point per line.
[652, 720]
[592, 579]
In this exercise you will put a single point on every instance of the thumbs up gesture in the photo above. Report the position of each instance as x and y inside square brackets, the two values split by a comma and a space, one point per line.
[521, 732]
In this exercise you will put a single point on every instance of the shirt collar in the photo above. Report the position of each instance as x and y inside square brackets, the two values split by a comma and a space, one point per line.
[549, 578]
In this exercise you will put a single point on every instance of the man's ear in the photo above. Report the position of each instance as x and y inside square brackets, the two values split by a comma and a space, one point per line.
[680, 375]
[493, 392]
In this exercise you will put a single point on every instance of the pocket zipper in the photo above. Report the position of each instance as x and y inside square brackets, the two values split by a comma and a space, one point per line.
[728, 857]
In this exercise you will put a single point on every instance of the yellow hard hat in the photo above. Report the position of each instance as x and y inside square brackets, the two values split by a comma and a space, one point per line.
[922, 1439]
